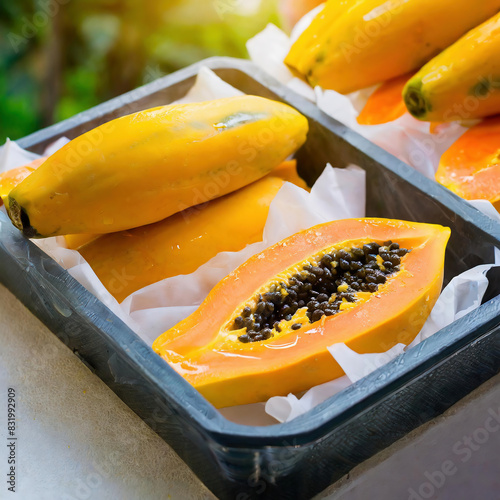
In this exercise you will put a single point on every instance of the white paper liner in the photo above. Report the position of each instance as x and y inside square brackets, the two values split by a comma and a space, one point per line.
[407, 138]
[338, 194]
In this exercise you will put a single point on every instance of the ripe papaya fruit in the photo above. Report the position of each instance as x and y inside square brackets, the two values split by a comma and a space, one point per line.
[471, 167]
[144, 167]
[462, 82]
[264, 330]
[11, 178]
[353, 44]
[385, 104]
[127, 261]
[286, 171]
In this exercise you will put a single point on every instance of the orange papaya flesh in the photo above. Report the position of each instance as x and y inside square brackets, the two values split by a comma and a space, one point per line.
[236, 348]
[471, 167]
[386, 103]
[10, 179]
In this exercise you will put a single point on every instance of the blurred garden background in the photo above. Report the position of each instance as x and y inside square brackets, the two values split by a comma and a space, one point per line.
[60, 57]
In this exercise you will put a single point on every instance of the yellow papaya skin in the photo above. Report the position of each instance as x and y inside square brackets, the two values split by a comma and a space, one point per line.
[461, 83]
[130, 260]
[354, 44]
[144, 167]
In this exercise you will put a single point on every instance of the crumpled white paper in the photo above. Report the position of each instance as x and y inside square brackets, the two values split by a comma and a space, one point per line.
[339, 194]
[407, 138]
[12, 156]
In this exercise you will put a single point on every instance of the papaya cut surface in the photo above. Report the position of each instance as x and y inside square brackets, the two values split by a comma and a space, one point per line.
[386, 104]
[471, 167]
[264, 330]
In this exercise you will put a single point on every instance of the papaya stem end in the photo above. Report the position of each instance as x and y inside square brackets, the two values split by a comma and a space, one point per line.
[20, 218]
[416, 103]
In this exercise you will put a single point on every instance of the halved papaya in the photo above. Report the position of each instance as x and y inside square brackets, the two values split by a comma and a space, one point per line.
[471, 167]
[386, 103]
[264, 330]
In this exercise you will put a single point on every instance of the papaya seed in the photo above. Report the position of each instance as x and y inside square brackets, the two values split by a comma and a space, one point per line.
[321, 285]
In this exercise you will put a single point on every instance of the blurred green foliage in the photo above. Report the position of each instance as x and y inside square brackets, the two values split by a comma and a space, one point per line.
[60, 57]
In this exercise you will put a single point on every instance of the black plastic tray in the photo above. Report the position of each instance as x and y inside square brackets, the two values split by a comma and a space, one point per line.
[302, 457]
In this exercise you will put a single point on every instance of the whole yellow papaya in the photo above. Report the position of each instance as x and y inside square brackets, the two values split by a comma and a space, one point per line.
[461, 83]
[353, 44]
[144, 167]
[130, 260]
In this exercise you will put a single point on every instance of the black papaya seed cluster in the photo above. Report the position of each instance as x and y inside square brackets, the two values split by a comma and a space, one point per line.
[322, 288]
